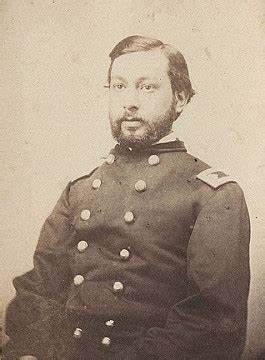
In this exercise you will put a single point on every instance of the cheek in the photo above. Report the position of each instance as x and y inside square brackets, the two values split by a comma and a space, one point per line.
[115, 105]
[113, 109]
[156, 105]
[160, 100]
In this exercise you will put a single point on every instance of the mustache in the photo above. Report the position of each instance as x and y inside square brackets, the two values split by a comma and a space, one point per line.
[125, 118]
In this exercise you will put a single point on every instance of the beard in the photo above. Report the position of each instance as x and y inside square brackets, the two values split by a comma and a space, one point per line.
[154, 131]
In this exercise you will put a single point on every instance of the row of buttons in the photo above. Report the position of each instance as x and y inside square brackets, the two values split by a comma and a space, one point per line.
[105, 341]
[128, 216]
[152, 160]
[78, 331]
[139, 186]
[117, 286]
[124, 253]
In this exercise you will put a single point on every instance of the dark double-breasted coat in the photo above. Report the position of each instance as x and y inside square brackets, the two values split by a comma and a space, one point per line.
[144, 258]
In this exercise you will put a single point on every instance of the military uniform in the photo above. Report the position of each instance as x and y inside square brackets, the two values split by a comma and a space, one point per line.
[144, 258]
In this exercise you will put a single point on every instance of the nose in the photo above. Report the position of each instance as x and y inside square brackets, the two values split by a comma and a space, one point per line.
[131, 103]
[131, 108]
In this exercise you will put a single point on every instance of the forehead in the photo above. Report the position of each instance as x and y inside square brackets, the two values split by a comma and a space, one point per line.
[140, 64]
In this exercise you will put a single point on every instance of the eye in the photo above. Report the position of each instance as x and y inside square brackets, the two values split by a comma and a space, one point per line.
[148, 87]
[118, 86]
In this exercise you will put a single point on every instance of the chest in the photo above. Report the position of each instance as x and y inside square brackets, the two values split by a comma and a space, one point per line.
[131, 201]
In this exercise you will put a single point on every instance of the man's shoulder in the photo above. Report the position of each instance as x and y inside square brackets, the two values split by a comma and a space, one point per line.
[215, 177]
[203, 173]
[85, 178]
[211, 182]
[82, 179]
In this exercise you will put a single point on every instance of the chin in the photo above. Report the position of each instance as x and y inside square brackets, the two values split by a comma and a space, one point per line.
[142, 137]
[135, 141]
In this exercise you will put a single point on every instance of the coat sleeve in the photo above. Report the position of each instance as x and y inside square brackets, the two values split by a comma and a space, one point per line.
[40, 292]
[211, 323]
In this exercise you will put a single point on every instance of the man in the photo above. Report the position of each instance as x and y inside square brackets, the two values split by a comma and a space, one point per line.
[147, 256]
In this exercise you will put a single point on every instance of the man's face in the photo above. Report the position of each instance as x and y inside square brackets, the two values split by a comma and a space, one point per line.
[141, 102]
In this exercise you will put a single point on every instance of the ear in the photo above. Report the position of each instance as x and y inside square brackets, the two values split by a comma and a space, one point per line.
[180, 101]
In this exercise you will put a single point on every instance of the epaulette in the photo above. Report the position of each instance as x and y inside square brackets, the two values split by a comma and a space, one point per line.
[214, 178]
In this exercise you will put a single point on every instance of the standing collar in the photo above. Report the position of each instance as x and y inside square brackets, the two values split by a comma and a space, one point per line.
[168, 138]
[166, 144]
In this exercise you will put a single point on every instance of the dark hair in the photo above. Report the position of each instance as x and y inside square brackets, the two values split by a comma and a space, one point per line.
[177, 67]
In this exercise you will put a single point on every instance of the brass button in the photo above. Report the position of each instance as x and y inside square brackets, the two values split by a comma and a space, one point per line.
[96, 184]
[109, 323]
[77, 333]
[78, 279]
[82, 245]
[124, 254]
[129, 217]
[105, 341]
[117, 286]
[85, 214]
[140, 185]
[110, 159]
[153, 160]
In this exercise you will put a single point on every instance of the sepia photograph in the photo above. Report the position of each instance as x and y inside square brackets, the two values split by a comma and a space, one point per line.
[133, 223]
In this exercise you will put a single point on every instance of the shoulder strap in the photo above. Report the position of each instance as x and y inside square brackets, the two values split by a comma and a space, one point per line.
[84, 176]
[214, 177]
[100, 162]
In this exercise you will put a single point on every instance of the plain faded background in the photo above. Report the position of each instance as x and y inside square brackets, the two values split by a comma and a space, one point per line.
[54, 107]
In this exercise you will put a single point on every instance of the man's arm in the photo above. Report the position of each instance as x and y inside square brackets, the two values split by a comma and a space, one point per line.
[39, 292]
[211, 324]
